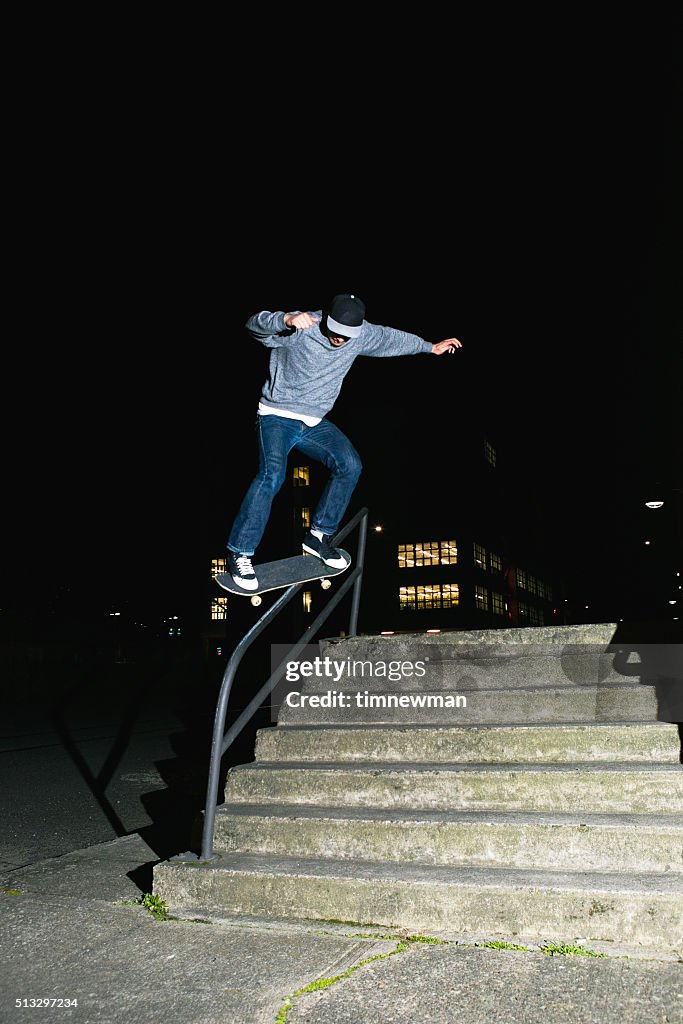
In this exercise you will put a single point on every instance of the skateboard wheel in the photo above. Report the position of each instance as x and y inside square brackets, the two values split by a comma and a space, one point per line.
[256, 600]
[326, 584]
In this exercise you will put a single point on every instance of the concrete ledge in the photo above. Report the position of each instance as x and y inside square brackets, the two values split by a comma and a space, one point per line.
[588, 633]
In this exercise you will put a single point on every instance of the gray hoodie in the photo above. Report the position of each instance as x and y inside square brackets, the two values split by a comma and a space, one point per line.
[306, 371]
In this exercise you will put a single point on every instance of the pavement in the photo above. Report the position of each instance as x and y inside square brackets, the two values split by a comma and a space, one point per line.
[73, 930]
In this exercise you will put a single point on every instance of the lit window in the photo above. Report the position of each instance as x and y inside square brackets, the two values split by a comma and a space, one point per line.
[301, 476]
[497, 604]
[428, 552]
[421, 553]
[481, 598]
[307, 600]
[523, 609]
[406, 556]
[302, 517]
[495, 563]
[490, 453]
[449, 552]
[219, 608]
[522, 580]
[532, 585]
[218, 565]
[428, 596]
[480, 556]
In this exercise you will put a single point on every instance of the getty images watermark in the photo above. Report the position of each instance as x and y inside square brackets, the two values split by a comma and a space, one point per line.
[498, 683]
[325, 681]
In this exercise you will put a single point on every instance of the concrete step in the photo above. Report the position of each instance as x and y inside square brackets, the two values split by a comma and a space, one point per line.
[523, 743]
[605, 787]
[319, 704]
[467, 668]
[508, 658]
[556, 842]
[636, 909]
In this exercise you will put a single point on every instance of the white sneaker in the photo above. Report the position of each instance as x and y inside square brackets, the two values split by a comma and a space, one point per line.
[324, 550]
[242, 571]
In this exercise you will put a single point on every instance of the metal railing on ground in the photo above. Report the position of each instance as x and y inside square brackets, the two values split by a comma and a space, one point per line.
[222, 740]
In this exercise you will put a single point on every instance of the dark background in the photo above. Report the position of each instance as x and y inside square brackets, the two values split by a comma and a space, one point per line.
[511, 177]
[526, 200]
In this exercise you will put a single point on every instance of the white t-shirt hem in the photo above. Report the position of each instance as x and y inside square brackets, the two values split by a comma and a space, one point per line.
[269, 410]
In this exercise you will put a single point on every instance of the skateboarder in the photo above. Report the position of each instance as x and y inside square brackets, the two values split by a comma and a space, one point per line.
[311, 353]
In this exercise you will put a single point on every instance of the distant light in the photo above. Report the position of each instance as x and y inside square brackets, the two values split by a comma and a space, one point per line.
[114, 613]
[648, 542]
[433, 630]
[672, 602]
[378, 529]
[387, 632]
[654, 504]
[585, 606]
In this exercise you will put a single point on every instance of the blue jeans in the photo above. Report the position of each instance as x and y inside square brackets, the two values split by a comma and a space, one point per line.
[277, 436]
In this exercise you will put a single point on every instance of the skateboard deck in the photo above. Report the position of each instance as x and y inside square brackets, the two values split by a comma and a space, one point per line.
[284, 572]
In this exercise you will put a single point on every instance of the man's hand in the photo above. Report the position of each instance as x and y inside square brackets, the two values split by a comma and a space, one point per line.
[447, 345]
[300, 321]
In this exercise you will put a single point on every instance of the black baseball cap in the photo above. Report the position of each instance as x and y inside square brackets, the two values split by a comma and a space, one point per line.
[345, 315]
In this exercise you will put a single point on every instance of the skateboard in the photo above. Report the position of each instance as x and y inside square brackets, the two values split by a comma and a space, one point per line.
[284, 572]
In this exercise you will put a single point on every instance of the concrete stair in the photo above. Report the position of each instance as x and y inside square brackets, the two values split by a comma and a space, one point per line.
[549, 807]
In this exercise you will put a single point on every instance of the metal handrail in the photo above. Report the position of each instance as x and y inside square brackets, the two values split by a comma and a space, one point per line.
[221, 741]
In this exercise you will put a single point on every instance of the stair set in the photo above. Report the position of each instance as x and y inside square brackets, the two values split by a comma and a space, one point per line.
[537, 795]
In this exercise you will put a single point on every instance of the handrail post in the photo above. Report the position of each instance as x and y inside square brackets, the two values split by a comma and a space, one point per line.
[220, 740]
[360, 558]
[221, 712]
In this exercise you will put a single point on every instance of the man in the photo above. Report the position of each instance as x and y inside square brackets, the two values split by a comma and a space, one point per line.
[311, 354]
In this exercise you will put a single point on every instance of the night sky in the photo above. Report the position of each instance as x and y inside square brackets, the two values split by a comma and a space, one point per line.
[538, 220]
